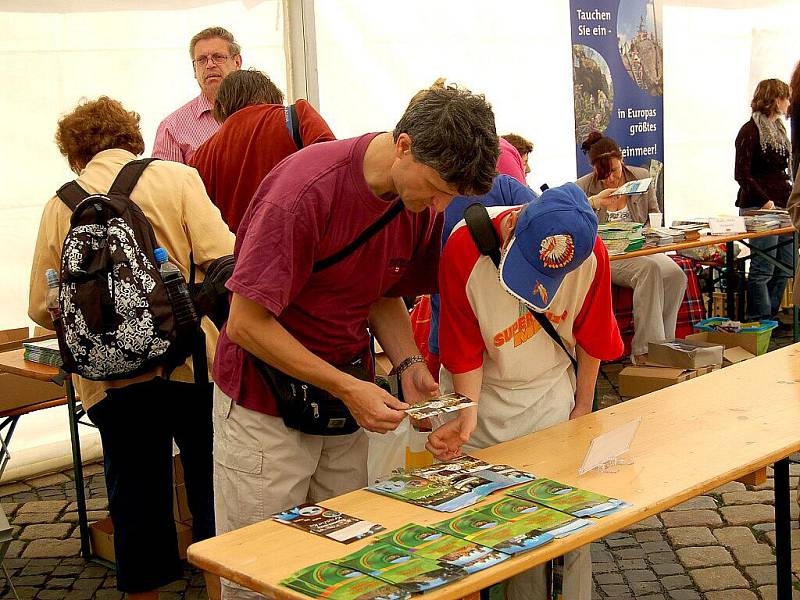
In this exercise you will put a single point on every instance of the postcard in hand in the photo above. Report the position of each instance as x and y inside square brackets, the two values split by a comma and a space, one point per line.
[398, 566]
[328, 523]
[329, 580]
[568, 499]
[439, 406]
[638, 186]
[433, 544]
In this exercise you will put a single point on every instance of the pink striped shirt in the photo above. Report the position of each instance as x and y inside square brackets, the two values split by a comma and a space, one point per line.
[182, 132]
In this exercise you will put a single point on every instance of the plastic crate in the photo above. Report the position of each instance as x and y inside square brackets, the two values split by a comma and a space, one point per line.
[762, 331]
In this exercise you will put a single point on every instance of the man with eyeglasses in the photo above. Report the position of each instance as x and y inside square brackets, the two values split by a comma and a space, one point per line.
[214, 53]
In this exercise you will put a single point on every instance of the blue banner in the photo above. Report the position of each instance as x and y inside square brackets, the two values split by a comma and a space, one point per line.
[618, 77]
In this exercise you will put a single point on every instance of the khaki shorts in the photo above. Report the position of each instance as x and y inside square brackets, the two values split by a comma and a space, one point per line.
[262, 467]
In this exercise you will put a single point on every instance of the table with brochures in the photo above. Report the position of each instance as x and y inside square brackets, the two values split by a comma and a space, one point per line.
[13, 362]
[732, 274]
[693, 437]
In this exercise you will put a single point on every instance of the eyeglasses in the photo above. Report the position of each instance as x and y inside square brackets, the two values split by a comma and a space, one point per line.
[217, 59]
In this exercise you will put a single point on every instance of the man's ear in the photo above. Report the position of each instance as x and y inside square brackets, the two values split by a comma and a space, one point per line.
[238, 60]
[402, 145]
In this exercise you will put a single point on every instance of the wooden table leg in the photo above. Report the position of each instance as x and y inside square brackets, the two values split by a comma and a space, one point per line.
[783, 549]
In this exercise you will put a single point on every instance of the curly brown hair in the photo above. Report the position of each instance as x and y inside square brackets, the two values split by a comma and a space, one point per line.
[600, 149]
[767, 93]
[452, 131]
[94, 126]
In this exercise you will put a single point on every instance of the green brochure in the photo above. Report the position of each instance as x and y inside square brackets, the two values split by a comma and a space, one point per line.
[554, 522]
[568, 499]
[490, 530]
[430, 543]
[328, 580]
[398, 566]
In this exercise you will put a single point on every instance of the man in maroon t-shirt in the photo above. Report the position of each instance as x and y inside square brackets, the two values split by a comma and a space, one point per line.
[254, 137]
[305, 323]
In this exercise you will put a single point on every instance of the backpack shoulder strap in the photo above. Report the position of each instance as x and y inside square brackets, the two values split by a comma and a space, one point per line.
[363, 238]
[482, 230]
[293, 125]
[128, 176]
[486, 239]
[72, 194]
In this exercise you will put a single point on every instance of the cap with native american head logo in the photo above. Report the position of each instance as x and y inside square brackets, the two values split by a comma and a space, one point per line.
[554, 234]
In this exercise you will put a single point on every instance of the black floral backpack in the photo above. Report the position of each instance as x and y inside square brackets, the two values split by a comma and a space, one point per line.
[117, 319]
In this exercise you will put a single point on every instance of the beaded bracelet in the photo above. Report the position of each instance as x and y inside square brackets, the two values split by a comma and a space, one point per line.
[411, 360]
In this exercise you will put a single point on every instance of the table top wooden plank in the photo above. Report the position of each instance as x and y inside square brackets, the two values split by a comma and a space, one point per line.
[12, 361]
[703, 240]
[694, 437]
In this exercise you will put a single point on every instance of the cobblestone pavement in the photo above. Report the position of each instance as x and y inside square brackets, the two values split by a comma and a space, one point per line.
[719, 546]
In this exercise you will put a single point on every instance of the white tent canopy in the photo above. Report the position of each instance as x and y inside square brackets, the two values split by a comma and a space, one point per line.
[360, 61]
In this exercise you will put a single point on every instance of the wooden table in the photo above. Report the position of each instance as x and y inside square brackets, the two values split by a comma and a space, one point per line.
[731, 275]
[13, 362]
[694, 437]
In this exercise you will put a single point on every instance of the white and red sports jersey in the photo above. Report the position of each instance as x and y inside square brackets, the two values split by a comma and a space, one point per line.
[528, 381]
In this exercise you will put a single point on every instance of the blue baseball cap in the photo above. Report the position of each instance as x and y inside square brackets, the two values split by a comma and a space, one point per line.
[554, 234]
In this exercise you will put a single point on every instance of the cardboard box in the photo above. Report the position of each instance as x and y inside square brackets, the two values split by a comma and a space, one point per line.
[101, 534]
[684, 354]
[746, 341]
[16, 391]
[639, 380]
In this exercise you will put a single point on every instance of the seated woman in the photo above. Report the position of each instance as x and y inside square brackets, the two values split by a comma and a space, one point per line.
[658, 284]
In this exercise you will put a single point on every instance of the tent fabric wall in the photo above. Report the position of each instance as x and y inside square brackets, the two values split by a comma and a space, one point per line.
[136, 52]
[372, 55]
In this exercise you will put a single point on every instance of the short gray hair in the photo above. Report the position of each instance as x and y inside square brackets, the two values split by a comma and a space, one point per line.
[215, 32]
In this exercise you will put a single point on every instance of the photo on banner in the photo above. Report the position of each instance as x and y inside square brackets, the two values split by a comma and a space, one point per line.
[618, 80]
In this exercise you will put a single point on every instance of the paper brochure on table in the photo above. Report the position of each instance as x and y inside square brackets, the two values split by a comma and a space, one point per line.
[638, 186]
[605, 449]
[329, 580]
[328, 523]
[569, 499]
[450, 486]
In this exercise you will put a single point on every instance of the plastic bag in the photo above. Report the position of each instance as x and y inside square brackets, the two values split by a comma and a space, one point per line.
[403, 448]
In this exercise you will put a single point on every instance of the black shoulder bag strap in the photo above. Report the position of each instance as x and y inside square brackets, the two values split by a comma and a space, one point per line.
[293, 125]
[483, 233]
[382, 222]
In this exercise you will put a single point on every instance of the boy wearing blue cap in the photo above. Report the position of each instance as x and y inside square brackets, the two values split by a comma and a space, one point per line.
[494, 351]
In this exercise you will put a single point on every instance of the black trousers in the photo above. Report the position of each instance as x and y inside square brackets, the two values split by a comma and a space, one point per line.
[137, 424]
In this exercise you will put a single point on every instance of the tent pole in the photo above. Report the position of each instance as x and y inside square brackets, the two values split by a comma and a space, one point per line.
[300, 46]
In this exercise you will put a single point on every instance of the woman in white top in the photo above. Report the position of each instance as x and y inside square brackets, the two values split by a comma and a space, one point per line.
[658, 284]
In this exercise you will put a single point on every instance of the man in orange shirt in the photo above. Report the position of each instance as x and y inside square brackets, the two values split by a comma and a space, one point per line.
[256, 135]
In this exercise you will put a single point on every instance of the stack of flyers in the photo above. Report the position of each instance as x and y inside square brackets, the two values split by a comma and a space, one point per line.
[568, 499]
[450, 486]
[397, 566]
[439, 406]
[489, 530]
[554, 522]
[435, 545]
[328, 523]
[328, 580]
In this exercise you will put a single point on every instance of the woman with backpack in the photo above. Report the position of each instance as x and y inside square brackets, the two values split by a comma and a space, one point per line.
[138, 389]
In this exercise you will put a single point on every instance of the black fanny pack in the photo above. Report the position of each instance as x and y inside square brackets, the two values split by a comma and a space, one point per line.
[308, 408]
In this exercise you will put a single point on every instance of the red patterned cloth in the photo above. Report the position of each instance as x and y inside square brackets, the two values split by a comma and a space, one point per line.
[691, 311]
